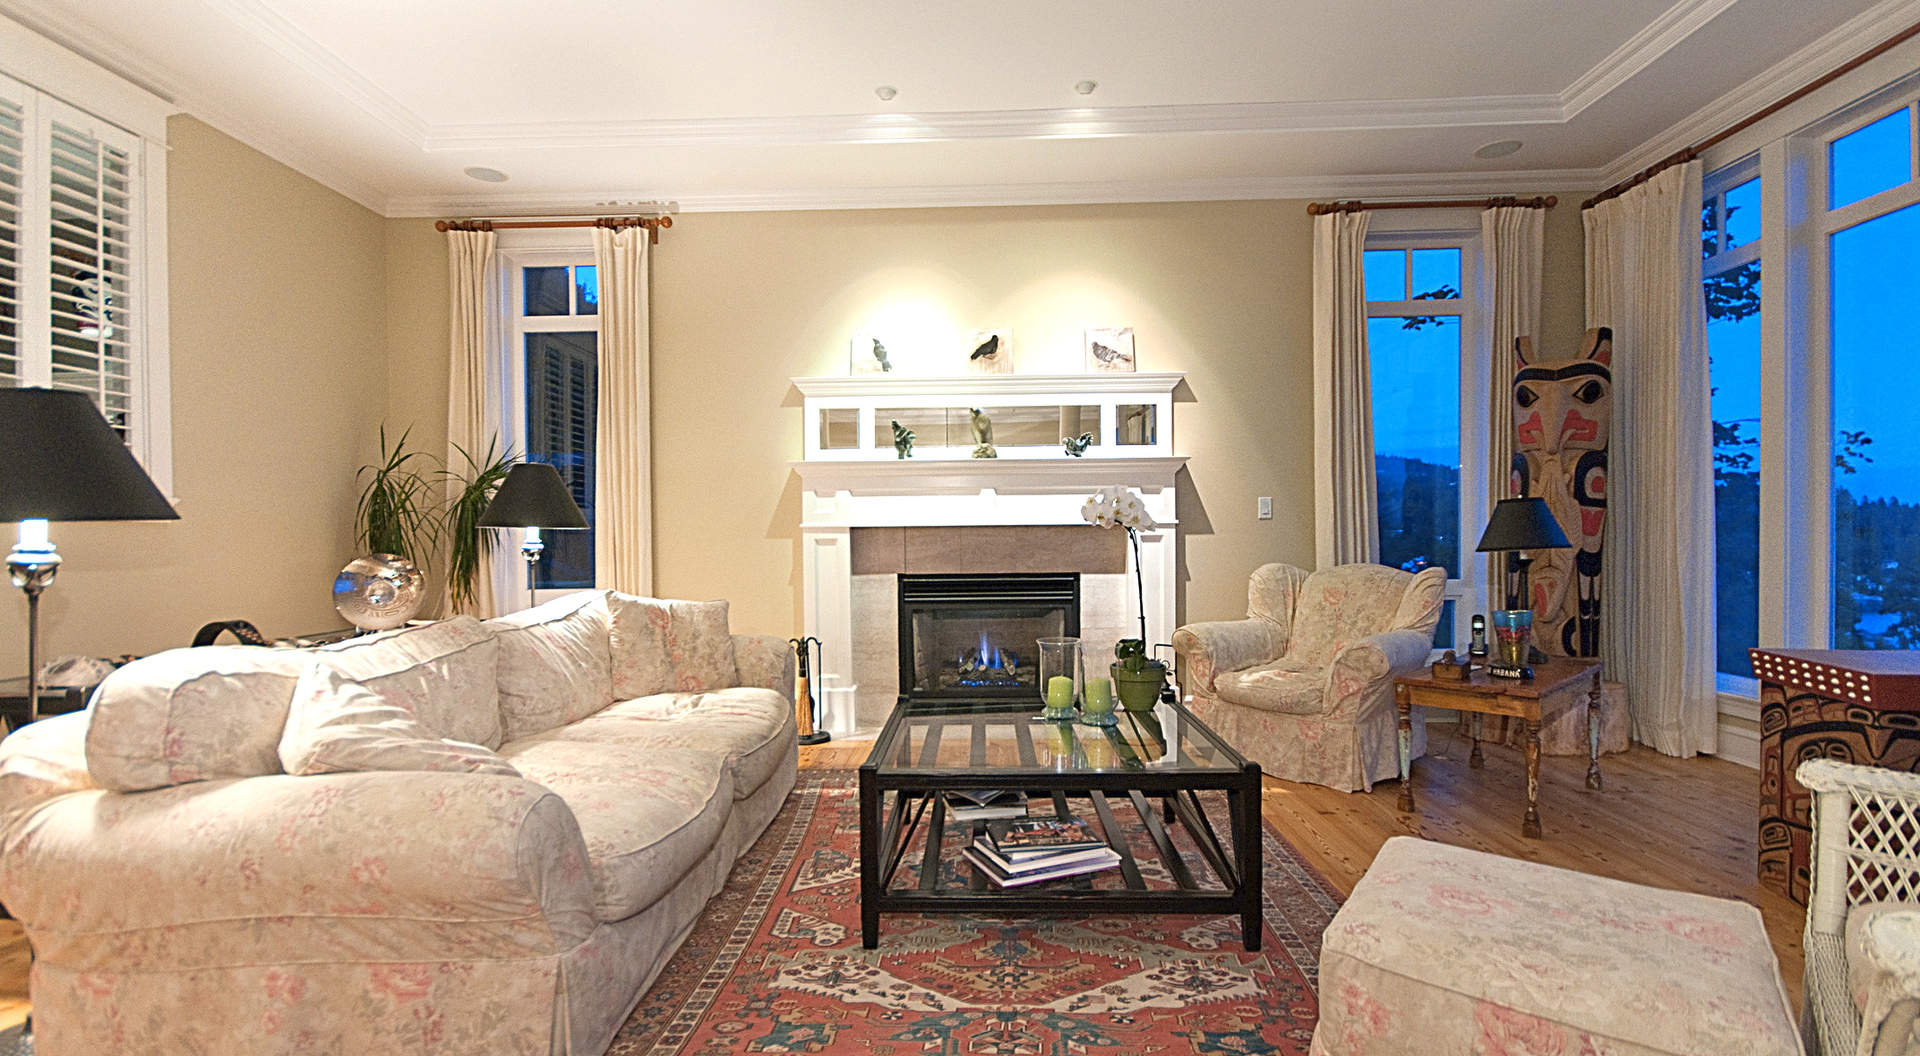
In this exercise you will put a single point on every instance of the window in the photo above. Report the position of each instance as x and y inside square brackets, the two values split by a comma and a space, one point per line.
[74, 266]
[555, 302]
[1730, 277]
[1872, 274]
[1427, 424]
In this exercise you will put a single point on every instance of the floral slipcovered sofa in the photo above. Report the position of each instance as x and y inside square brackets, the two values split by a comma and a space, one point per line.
[459, 837]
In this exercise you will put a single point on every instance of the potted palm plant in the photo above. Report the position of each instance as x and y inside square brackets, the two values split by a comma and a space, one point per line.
[396, 514]
[468, 544]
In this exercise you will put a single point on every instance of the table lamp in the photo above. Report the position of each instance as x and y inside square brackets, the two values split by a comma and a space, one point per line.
[1517, 525]
[61, 461]
[533, 497]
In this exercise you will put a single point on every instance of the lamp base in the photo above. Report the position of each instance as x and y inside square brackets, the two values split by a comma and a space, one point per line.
[816, 737]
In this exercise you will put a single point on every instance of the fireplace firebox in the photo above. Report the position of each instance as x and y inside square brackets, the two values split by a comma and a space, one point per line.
[977, 636]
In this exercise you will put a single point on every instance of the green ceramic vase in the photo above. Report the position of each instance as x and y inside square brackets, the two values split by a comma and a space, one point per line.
[1139, 690]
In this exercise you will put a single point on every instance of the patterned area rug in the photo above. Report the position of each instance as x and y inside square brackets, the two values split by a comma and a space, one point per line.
[775, 965]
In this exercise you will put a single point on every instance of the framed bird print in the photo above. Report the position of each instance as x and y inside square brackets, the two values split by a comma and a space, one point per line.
[1110, 351]
[989, 352]
[868, 354]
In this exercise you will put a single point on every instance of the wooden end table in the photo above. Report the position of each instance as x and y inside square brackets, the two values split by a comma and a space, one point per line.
[1558, 684]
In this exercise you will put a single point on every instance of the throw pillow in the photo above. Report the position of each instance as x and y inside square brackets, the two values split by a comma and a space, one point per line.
[195, 714]
[338, 725]
[445, 670]
[669, 646]
[554, 666]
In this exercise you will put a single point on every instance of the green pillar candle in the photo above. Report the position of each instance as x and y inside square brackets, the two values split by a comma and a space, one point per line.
[1099, 694]
[1060, 692]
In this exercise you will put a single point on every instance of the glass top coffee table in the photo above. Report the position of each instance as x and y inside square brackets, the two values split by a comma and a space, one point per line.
[1137, 785]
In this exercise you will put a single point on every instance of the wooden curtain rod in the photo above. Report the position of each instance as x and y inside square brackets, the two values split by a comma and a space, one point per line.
[1681, 157]
[653, 224]
[1322, 208]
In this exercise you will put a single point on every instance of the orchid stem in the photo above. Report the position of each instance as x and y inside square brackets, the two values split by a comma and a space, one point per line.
[1139, 582]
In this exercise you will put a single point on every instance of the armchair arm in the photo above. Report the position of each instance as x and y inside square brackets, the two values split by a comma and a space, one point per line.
[1889, 800]
[1360, 678]
[765, 661]
[358, 866]
[1208, 649]
[43, 760]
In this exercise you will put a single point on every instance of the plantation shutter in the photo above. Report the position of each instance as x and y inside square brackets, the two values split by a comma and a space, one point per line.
[13, 135]
[90, 262]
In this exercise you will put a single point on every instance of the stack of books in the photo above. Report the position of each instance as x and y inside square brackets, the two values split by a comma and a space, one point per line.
[1021, 851]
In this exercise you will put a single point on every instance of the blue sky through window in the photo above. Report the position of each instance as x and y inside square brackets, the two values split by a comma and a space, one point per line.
[1876, 350]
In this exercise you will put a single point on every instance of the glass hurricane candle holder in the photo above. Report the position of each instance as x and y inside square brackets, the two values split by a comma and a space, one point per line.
[1060, 678]
[1096, 703]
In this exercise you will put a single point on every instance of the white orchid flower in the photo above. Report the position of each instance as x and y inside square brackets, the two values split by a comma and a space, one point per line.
[1117, 507]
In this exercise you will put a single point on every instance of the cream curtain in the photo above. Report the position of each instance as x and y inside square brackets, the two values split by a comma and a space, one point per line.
[623, 473]
[474, 404]
[1345, 506]
[1512, 244]
[1657, 617]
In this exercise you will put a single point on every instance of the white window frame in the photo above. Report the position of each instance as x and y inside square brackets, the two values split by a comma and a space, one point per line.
[1713, 193]
[52, 83]
[1466, 586]
[531, 249]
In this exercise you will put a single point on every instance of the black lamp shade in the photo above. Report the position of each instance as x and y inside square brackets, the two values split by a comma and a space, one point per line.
[1522, 524]
[533, 496]
[61, 461]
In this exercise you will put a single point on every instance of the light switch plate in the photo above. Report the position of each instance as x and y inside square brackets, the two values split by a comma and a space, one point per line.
[1266, 507]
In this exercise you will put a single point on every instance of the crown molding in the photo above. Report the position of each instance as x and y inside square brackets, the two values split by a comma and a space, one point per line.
[291, 43]
[1640, 51]
[1064, 123]
[1841, 44]
[1113, 192]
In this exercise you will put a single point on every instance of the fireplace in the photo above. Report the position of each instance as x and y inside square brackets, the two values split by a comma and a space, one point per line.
[977, 636]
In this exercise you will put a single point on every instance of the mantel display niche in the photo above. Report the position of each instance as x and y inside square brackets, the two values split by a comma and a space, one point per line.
[886, 417]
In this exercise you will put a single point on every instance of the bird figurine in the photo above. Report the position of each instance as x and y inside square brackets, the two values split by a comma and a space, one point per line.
[982, 434]
[880, 353]
[988, 348]
[902, 440]
[1076, 446]
[1109, 356]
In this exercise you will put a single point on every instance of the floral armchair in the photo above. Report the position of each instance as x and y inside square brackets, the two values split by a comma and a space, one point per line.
[1304, 685]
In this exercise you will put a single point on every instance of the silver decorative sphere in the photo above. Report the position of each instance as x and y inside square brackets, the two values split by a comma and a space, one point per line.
[378, 592]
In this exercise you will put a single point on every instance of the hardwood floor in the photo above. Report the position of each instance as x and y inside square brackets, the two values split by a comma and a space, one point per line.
[1682, 824]
[1685, 824]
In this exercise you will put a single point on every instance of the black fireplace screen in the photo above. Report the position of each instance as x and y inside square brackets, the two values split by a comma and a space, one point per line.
[971, 636]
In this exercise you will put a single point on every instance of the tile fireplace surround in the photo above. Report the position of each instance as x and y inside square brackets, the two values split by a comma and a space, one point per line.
[862, 523]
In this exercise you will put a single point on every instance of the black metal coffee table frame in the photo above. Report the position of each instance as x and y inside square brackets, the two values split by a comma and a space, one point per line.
[898, 795]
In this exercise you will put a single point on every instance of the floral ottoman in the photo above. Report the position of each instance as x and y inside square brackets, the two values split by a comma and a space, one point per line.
[1444, 951]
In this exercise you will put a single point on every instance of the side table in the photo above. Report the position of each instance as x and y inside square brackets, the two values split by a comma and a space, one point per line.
[1558, 684]
[54, 700]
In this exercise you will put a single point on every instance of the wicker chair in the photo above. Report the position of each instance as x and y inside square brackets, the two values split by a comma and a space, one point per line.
[1866, 855]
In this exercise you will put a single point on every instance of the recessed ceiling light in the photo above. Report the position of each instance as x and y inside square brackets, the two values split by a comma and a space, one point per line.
[486, 175]
[886, 92]
[1086, 87]
[1499, 148]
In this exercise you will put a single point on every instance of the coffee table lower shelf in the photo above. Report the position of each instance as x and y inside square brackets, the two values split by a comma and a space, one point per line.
[894, 809]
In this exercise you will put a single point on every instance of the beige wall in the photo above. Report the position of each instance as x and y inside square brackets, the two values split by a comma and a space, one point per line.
[1220, 290]
[277, 295]
[301, 322]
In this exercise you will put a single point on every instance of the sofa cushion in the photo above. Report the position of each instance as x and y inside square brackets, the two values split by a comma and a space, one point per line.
[1280, 686]
[191, 715]
[647, 815]
[664, 646]
[444, 671]
[554, 663]
[752, 727]
[336, 725]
